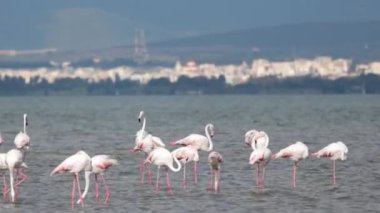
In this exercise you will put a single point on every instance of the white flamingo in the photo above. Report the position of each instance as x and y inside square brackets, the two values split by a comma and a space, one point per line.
[74, 164]
[334, 151]
[295, 152]
[162, 157]
[198, 142]
[185, 155]
[100, 164]
[145, 142]
[14, 160]
[215, 160]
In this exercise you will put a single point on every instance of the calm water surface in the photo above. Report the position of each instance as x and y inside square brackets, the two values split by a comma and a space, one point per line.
[60, 126]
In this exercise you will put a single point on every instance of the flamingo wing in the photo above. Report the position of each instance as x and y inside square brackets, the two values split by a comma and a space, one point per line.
[157, 141]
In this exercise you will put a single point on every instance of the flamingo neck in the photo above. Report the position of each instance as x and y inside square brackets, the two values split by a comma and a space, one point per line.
[144, 124]
[179, 166]
[25, 125]
[209, 139]
[87, 185]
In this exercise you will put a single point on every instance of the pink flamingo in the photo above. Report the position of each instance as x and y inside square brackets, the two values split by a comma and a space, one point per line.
[215, 160]
[100, 164]
[162, 157]
[295, 152]
[260, 156]
[145, 142]
[333, 151]
[198, 142]
[76, 163]
[184, 155]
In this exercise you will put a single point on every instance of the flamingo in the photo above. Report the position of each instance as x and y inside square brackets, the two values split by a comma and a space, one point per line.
[295, 152]
[215, 160]
[333, 151]
[14, 159]
[184, 155]
[198, 142]
[76, 163]
[162, 157]
[145, 142]
[260, 155]
[100, 164]
[261, 158]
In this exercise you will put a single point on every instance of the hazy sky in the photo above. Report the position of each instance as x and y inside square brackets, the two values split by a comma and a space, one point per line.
[90, 24]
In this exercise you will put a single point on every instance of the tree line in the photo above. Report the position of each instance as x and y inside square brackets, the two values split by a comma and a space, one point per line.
[184, 85]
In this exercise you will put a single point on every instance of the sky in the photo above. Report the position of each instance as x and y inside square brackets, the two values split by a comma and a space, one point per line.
[94, 24]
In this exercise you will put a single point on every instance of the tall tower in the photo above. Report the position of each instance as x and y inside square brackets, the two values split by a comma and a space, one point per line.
[140, 55]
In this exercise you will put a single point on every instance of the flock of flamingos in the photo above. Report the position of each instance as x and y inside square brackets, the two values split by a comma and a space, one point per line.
[157, 154]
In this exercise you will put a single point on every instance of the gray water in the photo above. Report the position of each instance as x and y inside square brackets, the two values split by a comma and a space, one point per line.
[60, 126]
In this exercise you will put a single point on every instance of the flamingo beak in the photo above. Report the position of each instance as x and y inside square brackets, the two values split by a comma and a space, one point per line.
[139, 119]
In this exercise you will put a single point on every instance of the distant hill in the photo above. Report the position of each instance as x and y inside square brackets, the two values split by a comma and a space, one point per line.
[359, 40]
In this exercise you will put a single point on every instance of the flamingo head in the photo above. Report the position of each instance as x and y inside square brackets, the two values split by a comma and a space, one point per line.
[1, 139]
[26, 119]
[249, 135]
[141, 115]
[211, 129]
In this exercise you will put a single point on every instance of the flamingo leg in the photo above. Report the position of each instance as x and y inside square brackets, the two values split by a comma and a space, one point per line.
[158, 177]
[334, 176]
[79, 190]
[24, 177]
[257, 175]
[294, 174]
[97, 188]
[217, 176]
[142, 167]
[5, 188]
[73, 193]
[150, 173]
[184, 177]
[108, 194]
[263, 177]
[195, 173]
[211, 178]
[168, 181]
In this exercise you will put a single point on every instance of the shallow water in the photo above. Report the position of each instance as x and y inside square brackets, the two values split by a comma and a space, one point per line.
[60, 126]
